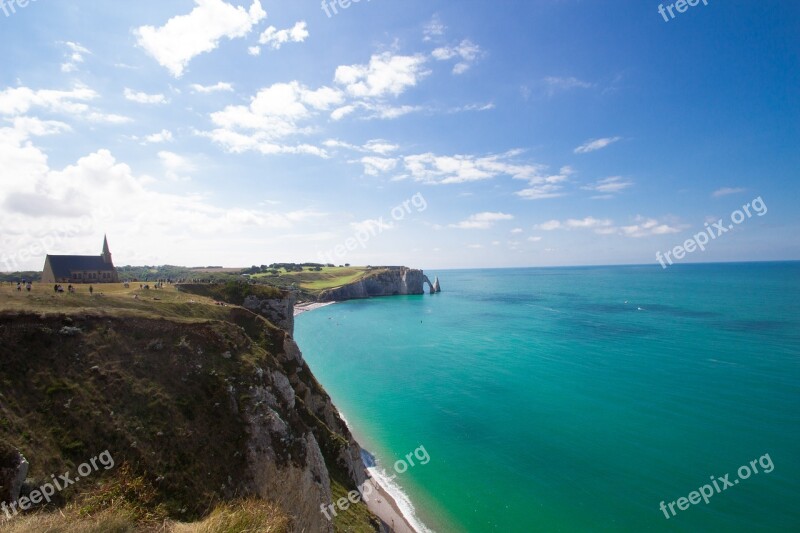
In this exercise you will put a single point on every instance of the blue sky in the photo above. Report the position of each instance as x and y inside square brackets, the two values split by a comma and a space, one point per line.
[434, 134]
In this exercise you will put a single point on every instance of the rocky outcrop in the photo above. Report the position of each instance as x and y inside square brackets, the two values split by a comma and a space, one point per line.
[13, 471]
[392, 281]
[279, 311]
[436, 286]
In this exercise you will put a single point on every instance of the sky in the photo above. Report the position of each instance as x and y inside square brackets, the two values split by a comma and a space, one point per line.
[425, 133]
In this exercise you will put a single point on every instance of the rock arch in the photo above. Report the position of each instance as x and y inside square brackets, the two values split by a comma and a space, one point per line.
[433, 287]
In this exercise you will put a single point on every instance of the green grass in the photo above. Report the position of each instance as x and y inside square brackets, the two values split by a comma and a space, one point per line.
[241, 516]
[113, 299]
[356, 518]
[327, 278]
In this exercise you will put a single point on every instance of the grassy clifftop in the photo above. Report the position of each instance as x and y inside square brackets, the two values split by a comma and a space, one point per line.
[185, 393]
[310, 283]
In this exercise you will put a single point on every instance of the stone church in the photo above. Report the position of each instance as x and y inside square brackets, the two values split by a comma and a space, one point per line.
[80, 268]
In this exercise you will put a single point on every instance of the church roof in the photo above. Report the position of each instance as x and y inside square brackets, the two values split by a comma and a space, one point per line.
[64, 265]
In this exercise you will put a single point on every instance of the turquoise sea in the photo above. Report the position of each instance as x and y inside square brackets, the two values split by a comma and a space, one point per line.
[578, 399]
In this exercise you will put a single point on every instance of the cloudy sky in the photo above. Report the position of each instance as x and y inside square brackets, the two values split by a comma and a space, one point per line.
[429, 133]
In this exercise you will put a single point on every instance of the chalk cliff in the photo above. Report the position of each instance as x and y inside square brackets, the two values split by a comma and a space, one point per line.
[390, 281]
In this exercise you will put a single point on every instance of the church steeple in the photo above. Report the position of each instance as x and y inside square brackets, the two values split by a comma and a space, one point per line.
[106, 252]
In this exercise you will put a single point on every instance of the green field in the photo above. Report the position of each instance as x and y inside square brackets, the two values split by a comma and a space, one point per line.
[327, 278]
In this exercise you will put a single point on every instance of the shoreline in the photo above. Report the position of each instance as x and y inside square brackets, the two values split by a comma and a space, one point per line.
[385, 507]
[387, 504]
[299, 309]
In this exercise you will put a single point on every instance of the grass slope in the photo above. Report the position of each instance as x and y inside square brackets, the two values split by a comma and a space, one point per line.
[144, 373]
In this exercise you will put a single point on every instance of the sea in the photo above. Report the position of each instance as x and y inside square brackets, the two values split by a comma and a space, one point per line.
[578, 399]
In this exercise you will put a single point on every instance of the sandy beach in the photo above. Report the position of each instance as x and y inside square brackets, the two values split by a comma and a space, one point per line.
[299, 309]
[381, 504]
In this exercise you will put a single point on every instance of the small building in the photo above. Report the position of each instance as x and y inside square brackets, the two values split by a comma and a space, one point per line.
[80, 268]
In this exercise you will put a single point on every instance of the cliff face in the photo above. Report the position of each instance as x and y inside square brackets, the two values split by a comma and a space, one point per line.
[385, 282]
[203, 409]
[279, 311]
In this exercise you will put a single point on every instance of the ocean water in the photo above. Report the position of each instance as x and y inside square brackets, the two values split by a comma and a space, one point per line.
[578, 399]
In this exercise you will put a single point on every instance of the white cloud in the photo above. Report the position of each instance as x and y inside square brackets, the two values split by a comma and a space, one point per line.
[725, 191]
[254, 50]
[542, 187]
[541, 192]
[74, 56]
[276, 38]
[35, 127]
[184, 37]
[379, 146]
[374, 111]
[387, 112]
[144, 98]
[275, 113]
[534, 239]
[433, 29]
[161, 137]
[385, 75]
[555, 84]
[573, 223]
[217, 87]
[108, 118]
[550, 225]
[483, 220]
[608, 186]
[375, 146]
[175, 166]
[474, 107]
[341, 112]
[646, 227]
[467, 52]
[434, 169]
[517, 230]
[20, 100]
[595, 144]
[336, 143]
[588, 223]
[375, 166]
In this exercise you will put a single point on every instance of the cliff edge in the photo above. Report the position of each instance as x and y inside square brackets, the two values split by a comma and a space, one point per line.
[200, 401]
